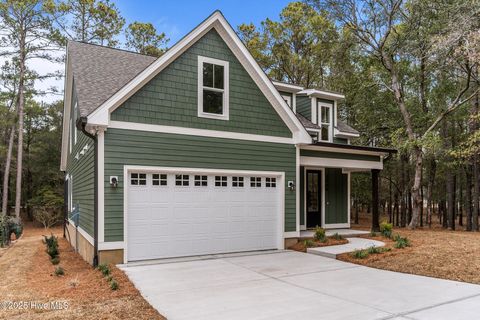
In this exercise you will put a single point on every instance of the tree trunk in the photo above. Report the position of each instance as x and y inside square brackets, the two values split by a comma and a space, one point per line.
[450, 200]
[375, 216]
[20, 112]
[468, 196]
[390, 215]
[6, 173]
[476, 175]
[431, 181]
[416, 198]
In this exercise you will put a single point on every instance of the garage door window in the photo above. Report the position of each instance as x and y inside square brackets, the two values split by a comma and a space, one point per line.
[159, 179]
[201, 181]
[182, 179]
[138, 179]
[255, 182]
[270, 182]
[220, 181]
[237, 181]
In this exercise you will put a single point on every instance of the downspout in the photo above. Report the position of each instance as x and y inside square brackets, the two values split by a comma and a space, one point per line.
[81, 125]
[65, 203]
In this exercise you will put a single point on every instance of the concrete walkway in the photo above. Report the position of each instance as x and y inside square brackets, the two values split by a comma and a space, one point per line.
[352, 245]
[294, 285]
[346, 233]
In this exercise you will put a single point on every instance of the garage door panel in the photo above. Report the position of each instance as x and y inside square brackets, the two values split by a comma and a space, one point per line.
[172, 221]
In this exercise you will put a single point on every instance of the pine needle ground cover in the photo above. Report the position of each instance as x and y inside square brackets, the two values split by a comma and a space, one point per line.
[452, 255]
[29, 275]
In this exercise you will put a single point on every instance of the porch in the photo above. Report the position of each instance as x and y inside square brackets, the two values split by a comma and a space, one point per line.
[346, 233]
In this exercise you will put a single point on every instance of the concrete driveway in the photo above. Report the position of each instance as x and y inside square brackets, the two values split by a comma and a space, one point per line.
[293, 285]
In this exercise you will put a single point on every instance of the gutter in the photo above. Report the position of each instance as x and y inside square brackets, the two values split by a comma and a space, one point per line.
[81, 125]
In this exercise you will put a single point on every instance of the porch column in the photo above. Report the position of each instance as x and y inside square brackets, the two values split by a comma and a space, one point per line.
[375, 217]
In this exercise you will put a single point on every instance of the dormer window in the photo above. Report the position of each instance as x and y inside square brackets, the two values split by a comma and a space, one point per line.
[325, 121]
[213, 88]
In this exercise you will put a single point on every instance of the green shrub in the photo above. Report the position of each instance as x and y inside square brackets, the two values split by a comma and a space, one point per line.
[104, 269]
[337, 236]
[374, 250]
[113, 285]
[15, 226]
[320, 234]
[59, 271]
[401, 242]
[4, 230]
[309, 243]
[386, 229]
[109, 278]
[373, 234]
[360, 254]
[52, 245]
[55, 260]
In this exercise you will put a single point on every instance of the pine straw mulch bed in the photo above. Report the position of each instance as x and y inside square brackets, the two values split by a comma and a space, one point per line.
[452, 255]
[300, 245]
[28, 275]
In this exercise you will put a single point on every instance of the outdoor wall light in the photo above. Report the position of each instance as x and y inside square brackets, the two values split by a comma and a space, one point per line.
[114, 181]
[291, 185]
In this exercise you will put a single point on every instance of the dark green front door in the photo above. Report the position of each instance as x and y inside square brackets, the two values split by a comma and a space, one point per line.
[314, 198]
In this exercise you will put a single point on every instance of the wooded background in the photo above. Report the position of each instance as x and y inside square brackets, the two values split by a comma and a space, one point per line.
[409, 71]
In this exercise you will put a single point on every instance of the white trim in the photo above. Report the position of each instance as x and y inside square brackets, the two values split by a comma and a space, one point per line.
[75, 113]
[130, 168]
[339, 133]
[294, 103]
[101, 116]
[341, 163]
[197, 132]
[349, 181]
[288, 100]
[114, 245]
[337, 225]
[67, 98]
[287, 87]
[322, 94]
[226, 88]
[340, 150]
[101, 184]
[291, 234]
[84, 233]
[297, 187]
[303, 227]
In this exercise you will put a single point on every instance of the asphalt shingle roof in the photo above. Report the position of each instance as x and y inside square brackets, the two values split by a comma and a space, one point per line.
[99, 72]
[343, 127]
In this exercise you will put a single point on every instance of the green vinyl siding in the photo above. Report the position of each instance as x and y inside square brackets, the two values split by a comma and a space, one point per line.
[126, 147]
[338, 155]
[82, 172]
[304, 106]
[340, 140]
[170, 98]
[336, 196]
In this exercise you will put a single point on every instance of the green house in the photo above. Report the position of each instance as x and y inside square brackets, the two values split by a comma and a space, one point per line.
[198, 152]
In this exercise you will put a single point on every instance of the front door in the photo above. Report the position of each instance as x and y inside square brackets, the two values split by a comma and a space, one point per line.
[314, 198]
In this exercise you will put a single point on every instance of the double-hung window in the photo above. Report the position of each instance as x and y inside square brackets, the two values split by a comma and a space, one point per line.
[325, 121]
[213, 88]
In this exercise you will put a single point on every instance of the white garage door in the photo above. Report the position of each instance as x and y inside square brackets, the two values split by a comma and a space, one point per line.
[175, 214]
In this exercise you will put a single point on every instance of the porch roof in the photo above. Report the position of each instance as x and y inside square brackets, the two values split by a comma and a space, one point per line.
[346, 147]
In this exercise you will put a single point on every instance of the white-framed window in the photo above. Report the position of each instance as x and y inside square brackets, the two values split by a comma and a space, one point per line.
[287, 99]
[213, 88]
[159, 179]
[255, 182]
[220, 181]
[74, 124]
[200, 181]
[237, 182]
[325, 121]
[271, 182]
[138, 179]
[182, 180]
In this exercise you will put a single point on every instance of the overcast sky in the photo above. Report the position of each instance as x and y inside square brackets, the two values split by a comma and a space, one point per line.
[175, 18]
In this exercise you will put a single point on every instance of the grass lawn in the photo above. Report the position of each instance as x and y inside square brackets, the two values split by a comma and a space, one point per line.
[28, 275]
[438, 253]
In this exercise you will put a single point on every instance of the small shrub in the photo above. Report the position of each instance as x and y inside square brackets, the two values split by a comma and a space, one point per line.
[360, 254]
[309, 243]
[320, 234]
[401, 242]
[59, 271]
[113, 285]
[73, 283]
[386, 229]
[109, 278]
[373, 234]
[104, 269]
[15, 225]
[52, 245]
[55, 260]
[337, 236]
